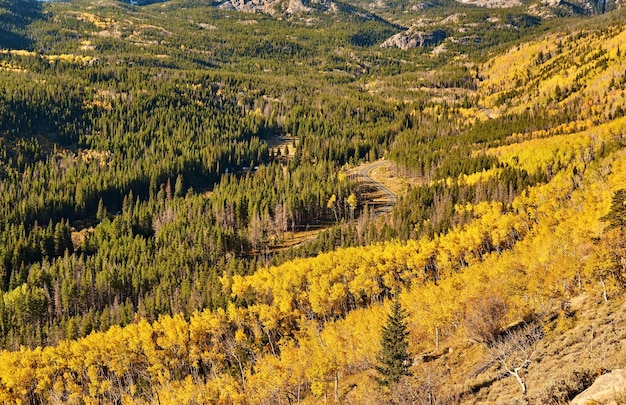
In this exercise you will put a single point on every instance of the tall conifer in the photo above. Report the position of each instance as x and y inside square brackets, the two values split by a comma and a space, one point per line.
[394, 357]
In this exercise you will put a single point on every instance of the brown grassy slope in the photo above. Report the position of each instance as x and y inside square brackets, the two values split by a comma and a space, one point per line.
[575, 350]
[593, 344]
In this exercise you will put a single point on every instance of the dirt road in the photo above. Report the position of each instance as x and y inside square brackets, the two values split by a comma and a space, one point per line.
[377, 194]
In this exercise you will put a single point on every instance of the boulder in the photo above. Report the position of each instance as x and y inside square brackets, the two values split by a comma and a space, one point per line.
[413, 39]
[608, 389]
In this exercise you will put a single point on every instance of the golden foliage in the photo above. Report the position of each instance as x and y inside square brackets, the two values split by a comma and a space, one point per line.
[312, 327]
[315, 321]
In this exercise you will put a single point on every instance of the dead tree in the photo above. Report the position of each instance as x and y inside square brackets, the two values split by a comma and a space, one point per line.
[516, 349]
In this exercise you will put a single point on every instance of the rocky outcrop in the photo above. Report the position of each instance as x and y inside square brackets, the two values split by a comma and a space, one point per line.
[413, 39]
[259, 6]
[262, 6]
[296, 6]
[273, 7]
[608, 389]
[494, 3]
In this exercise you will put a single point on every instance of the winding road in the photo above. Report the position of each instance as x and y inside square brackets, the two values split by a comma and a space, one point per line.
[384, 199]
[376, 195]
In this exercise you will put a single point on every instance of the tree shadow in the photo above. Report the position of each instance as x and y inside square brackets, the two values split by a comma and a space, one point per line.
[15, 16]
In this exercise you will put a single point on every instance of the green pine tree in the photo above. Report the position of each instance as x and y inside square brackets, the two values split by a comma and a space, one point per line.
[617, 214]
[394, 357]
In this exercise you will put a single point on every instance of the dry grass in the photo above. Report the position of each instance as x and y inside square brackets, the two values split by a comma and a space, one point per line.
[577, 348]
[386, 176]
[284, 144]
[291, 239]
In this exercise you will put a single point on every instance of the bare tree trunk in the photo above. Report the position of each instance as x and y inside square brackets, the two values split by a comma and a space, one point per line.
[516, 350]
[269, 337]
[515, 373]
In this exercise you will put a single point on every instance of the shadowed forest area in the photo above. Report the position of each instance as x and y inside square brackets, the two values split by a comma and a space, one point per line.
[15, 17]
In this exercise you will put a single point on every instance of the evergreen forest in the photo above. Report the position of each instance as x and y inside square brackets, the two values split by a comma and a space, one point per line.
[200, 204]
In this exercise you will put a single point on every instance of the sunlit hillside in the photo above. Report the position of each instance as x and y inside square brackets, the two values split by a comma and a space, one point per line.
[143, 251]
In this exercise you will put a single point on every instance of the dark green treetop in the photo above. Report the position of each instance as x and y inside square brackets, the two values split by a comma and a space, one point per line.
[394, 357]
[617, 214]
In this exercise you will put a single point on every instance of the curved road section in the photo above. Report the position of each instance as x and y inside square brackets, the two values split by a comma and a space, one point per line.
[378, 195]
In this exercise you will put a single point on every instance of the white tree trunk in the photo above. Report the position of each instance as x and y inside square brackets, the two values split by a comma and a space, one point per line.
[515, 373]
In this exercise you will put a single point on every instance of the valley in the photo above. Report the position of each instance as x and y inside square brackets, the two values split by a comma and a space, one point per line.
[280, 202]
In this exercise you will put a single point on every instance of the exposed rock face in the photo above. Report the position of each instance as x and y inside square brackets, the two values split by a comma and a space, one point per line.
[413, 39]
[273, 7]
[608, 389]
[494, 3]
[252, 5]
[260, 6]
[585, 7]
[296, 6]
[227, 5]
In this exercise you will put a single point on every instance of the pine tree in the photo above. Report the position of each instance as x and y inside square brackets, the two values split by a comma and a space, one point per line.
[394, 356]
[617, 214]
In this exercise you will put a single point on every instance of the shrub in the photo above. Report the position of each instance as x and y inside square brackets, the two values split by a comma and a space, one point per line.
[483, 317]
[563, 388]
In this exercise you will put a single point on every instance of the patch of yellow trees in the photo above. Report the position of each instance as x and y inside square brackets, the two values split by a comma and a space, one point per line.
[308, 329]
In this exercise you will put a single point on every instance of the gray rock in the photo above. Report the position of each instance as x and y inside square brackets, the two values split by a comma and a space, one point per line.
[227, 5]
[413, 39]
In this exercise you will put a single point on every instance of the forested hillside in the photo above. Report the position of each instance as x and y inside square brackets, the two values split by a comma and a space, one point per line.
[136, 159]
[160, 165]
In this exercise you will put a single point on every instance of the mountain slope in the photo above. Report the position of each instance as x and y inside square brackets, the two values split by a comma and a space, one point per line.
[307, 330]
[15, 15]
[298, 313]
